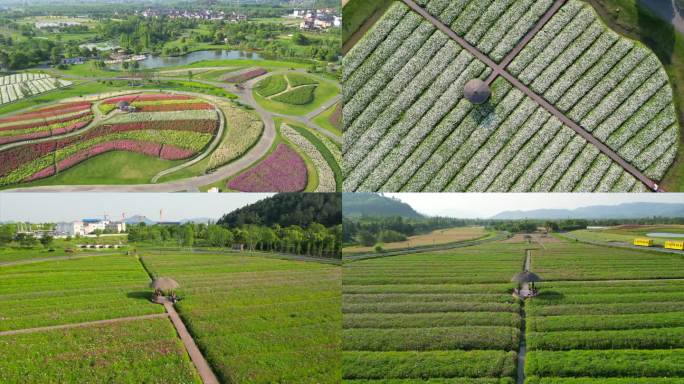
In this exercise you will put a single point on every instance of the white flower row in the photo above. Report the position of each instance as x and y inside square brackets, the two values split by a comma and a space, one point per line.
[657, 170]
[579, 168]
[633, 105]
[641, 140]
[544, 36]
[625, 183]
[647, 113]
[593, 86]
[469, 16]
[487, 19]
[418, 121]
[412, 53]
[452, 11]
[662, 144]
[162, 116]
[559, 165]
[359, 148]
[462, 154]
[21, 77]
[524, 157]
[566, 58]
[502, 46]
[503, 25]
[605, 48]
[405, 39]
[356, 56]
[593, 176]
[610, 100]
[560, 44]
[640, 188]
[495, 141]
[436, 7]
[532, 173]
[486, 177]
[389, 93]
[611, 177]
[40, 83]
[326, 177]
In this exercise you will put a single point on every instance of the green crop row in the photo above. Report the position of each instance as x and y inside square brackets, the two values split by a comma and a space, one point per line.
[605, 309]
[298, 96]
[552, 298]
[424, 339]
[602, 322]
[604, 380]
[430, 364]
[429, 307]
[426, 298]
[271, 85]
[428, 288]
[652, 338]
[439, 319]
[453, 380]
[297, 79]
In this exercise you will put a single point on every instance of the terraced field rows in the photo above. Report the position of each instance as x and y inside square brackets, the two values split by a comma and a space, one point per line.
[45, 122]
[445, 316]
[18, 86]
[408, 127]
[259, 319]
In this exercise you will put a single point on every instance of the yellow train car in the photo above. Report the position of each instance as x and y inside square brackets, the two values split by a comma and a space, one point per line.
[673, 244]
[643, 242]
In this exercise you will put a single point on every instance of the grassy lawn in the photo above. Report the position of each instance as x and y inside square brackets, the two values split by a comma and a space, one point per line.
[440, 236]
[323, 120]
[258, 319]
[323, 93]
[110, 168]
[88, 69]
[631, 19]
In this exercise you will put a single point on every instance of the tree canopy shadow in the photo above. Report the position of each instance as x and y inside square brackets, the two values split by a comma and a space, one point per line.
[657, 34]
[140, 295]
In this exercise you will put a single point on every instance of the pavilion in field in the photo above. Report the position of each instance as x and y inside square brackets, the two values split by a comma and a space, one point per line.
[477, 91]
[163, 287]
[526, 286]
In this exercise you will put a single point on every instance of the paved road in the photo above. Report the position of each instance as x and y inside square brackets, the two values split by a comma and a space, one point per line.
[85, 324]
[498, 70]
[203, 368]
[193, 184]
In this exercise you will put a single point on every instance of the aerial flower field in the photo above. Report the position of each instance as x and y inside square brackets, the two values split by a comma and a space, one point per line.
[576, 107]
[21, 85]
[283, 170]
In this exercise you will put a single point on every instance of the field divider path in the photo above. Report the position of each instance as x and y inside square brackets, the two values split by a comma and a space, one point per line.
[522, 346]
[622, 245]
[85, 324]
[498, 70]
[44, 259]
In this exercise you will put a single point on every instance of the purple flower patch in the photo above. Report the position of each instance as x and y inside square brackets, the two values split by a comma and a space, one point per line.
[283, 171]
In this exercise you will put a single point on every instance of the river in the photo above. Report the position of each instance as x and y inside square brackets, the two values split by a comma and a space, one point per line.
[192, 57]
[666, 234]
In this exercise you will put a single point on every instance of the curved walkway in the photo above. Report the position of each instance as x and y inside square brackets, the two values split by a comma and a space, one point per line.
[500, 70]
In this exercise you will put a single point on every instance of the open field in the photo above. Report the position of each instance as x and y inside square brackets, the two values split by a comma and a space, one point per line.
[573, 87]
[447, 317]
[626, 235]
[298, 95]
[259, 319]
[440, 236]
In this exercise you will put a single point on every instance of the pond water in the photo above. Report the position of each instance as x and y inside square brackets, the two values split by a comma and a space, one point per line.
[193, 57]
[666, 234]
[667, 10]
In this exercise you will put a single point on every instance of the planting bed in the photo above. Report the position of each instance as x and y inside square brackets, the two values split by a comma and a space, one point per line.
[259, 320]
[20, 85]
[324, 157]
[45, 122]
[282, 171]
[246, 75]
[244, 129]
[447, 317]
[173, 133]
[408, 126]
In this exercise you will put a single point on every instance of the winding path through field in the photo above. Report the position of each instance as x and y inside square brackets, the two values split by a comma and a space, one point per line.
[500, 70]
[259, 150]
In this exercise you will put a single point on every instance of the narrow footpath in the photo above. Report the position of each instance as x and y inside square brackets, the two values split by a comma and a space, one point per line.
[522, 347]
[79, 325]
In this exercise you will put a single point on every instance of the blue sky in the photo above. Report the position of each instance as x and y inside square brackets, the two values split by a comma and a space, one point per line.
[52, 207]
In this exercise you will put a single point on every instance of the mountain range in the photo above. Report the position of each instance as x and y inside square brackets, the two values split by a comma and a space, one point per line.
[375, 205]
[620, 211]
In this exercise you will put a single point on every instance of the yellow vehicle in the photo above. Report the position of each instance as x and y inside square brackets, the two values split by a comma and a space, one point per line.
[643, 242]
[673, 244]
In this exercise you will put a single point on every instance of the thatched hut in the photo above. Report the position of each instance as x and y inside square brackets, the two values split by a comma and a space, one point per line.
[164, 286]
[476, 91]
[527, 277]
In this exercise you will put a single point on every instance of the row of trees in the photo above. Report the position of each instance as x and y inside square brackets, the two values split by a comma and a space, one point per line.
[313, 240]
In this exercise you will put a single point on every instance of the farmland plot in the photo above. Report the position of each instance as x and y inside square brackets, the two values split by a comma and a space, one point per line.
[45, 122]
[21, 85]
[408, 126]
[445, 316]
[283, 170]
[170, 127]
[259, 320]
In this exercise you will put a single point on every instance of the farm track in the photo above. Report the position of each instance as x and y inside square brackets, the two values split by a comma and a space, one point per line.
[43, 259]
[85, 324]
[623, 245]
[500, 70]
[258, 151]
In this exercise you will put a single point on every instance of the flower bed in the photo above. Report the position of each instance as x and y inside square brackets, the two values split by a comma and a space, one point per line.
[46, 130]
[243, 131]
[326, 177]
[241, 78]
[282, 171]
[48, 112]
[271, 85]
[146, 97]
[298, 96]
[173, 107]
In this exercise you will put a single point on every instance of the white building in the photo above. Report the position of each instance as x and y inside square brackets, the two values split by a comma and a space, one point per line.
[116, 227]
[70, 229]
[92, 225]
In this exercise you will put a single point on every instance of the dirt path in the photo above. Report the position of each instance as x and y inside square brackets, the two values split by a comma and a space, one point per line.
[499, 70]
[86, 324]
[42, 259]
[203, 368]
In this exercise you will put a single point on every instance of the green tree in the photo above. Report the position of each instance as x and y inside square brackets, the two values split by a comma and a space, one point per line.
[46, 240]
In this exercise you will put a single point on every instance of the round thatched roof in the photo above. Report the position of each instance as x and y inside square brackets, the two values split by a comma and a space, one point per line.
[164, 284]
[476, 91]
[122, 104]
[526, 277]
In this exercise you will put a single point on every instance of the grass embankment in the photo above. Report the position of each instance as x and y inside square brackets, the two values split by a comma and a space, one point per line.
[323, 92]
[439, 236]
[324, 121]
[634, 20]
[356, 12]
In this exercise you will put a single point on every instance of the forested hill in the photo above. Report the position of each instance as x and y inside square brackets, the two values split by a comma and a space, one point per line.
[375, 205]
[288, 209]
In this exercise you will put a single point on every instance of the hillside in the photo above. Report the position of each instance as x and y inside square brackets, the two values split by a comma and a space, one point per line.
[288, 209]
[620, 211]
[376, 205]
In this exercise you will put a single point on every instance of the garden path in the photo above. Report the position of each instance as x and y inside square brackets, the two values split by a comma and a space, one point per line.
[500, 70]
[85, 324]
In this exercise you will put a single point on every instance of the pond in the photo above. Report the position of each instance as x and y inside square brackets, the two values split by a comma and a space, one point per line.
[666, 234]
[193, 57]
[667, 10]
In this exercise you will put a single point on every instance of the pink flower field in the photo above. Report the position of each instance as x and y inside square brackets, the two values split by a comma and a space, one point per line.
[283, 171]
